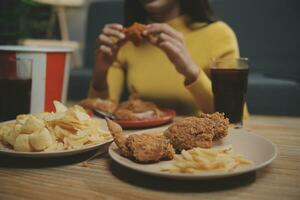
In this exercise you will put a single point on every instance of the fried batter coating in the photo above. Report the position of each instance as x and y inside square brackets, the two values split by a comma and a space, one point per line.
[135, 108]
[99, 104]
[124, 114]
[119, 138]
[135, 33]
[189, 133]
[144, 147]
[197, 131]
[150, 148]
[220, 123]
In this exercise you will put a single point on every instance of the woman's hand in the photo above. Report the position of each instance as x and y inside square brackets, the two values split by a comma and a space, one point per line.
[110, 41]
[172, 43]
[108, 45]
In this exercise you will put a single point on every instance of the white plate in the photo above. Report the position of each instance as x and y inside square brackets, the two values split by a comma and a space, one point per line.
[10, 152]
[252, 146]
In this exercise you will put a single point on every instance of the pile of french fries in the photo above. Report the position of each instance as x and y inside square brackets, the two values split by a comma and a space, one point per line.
[200, 160]
[67, 128]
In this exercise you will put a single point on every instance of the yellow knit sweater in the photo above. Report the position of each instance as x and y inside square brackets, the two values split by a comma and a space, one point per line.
[148, 70]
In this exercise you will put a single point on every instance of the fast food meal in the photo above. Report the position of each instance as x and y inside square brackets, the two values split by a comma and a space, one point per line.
[135, 33]
[67, 128]
[144, 147]
[186, 134]
[199, 160]
[199, 131]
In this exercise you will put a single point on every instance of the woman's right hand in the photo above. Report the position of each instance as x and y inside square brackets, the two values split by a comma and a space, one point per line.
[109, 42]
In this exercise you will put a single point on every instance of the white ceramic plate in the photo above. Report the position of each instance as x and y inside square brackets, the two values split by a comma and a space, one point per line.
[252, 146]
[101, 147]
[10, 152]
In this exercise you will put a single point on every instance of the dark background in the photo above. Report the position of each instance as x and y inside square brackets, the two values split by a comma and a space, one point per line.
[268, 32]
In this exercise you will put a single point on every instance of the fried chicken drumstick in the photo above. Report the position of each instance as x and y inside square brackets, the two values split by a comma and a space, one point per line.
[144, 147]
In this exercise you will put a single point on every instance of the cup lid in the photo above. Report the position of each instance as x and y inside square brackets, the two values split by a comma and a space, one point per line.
[22, 48]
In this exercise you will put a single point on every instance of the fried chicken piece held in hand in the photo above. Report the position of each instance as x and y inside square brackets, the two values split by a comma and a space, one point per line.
[135, 33]
[144, 147]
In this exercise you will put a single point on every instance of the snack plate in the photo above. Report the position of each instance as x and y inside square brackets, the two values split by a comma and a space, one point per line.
[10, 152]
[251, 146]
[143, 123]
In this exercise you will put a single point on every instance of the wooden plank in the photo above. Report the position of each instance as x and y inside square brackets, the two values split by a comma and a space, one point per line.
[101, 178]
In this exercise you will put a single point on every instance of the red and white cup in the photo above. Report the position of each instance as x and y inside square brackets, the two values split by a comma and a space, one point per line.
[49, 73]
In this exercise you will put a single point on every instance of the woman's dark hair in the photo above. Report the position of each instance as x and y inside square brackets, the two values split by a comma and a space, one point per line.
[197, 10]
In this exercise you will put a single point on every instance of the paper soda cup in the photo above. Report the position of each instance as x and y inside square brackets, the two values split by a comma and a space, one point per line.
[47, 68]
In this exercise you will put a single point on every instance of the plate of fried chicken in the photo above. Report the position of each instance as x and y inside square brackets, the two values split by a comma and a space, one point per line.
[150, 151]
[133, 113]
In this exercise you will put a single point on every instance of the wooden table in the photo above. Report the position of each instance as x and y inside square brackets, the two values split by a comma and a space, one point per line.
[101, 178]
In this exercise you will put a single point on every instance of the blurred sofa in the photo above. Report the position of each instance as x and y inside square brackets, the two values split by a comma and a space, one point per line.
[99, 13]
[267, 32]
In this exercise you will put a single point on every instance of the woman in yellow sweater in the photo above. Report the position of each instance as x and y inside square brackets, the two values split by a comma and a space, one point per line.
[173, 69]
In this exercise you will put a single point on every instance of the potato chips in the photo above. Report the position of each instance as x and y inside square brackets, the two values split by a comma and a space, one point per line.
[200, 160]
[67, 128]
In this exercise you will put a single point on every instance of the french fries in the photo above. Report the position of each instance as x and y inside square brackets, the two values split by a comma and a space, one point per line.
[200, 160]
[67, 128]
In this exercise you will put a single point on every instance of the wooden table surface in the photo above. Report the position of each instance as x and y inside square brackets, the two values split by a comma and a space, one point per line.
[101, 178]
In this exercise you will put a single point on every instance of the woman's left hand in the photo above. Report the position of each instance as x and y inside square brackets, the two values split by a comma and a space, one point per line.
[172, 43]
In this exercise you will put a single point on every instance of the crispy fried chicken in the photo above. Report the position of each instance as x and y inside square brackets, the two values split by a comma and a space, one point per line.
[197, 131]
[219, 122]
[135, 33]
[99, 104]
[135, 108]
[143, 147]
